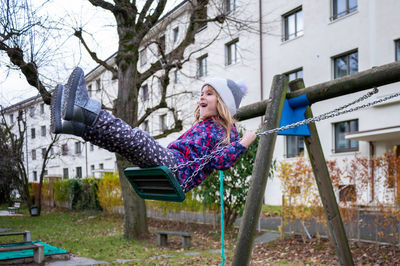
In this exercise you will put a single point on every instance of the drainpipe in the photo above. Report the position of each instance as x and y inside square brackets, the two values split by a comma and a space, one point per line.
[372, 165]
[26, 146]
[372, 32]
[261, 53]
[86, 159]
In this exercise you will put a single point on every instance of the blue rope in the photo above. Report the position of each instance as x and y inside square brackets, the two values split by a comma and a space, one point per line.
[221, 192]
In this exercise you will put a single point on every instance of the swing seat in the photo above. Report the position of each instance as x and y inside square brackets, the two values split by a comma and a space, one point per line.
[155, 183]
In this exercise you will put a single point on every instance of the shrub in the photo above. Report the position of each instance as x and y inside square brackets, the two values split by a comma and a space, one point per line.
[109, 192]
[62, 191]
[236, 185]
[85, 194]
[46, 190]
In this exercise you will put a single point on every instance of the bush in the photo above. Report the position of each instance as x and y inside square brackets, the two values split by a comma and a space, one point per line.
[236, 185]
[46, 191]
[109, 192]
[62, 191]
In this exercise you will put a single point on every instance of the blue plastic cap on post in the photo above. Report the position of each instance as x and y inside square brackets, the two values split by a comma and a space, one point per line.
[294, 111]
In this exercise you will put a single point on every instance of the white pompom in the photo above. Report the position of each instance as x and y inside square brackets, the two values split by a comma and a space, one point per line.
[243, 87]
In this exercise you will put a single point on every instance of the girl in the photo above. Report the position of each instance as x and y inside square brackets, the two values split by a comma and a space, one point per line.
[73, 112]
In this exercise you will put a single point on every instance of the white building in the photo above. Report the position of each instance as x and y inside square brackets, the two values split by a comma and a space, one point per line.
[316, 40]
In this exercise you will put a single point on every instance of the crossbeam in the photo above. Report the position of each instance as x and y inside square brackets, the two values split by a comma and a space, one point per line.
[371, 78]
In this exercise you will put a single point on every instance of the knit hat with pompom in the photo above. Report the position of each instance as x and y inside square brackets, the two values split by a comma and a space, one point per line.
[230, 92]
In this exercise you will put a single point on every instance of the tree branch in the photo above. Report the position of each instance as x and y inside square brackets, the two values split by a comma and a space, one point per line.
[178, 127]
[143, 13]
[93, 55]
[178, 53]
[29, 70]
[103, 4]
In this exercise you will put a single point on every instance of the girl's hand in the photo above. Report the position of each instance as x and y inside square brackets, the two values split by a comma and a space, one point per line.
[248, 138]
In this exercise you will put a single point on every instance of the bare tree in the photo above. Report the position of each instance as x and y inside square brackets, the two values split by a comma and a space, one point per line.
[27, 40]
[13, 146]
[139, 24]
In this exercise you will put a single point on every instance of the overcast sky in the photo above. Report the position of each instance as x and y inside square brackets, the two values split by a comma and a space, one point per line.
[103, 40]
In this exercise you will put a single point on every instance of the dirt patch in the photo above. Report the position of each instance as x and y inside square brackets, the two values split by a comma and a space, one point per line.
[296, 250]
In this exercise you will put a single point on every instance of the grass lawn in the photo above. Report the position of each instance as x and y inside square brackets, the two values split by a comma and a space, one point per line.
[95, 236]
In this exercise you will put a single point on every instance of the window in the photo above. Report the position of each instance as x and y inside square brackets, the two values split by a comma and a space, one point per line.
[11, 118]
[145, 126]
[22, 156]
[43, 131]
[32, 111]
[65, 173]
[78, 147]
[177, 76]
[346, 64]
[33, 154]
[145, 92]
[78, 172]
[91, 148]
[202, 66]
[342, 144]
[42, 108]
[90, 90]
[347, 193]
[231, 53]
[295, 74]
[175, 34]
[143, 57]
[294, 146]
[43, 153]
[98, 85]
[161, 43]
[33, 133]
[230, 6]
[64, 149]
[293, 24]
[341, 8]
[101, 167]
[52, 152]
[202, 19]
[397, 51]
[45, 173]
[34, 176]
[92, 169]
[163, 122]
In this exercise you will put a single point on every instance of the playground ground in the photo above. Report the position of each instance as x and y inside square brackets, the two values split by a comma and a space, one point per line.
[98, 239]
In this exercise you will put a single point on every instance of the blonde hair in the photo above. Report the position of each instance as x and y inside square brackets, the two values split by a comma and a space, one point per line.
[224, 117]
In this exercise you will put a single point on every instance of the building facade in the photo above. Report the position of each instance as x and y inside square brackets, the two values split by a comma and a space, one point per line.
[310, 39]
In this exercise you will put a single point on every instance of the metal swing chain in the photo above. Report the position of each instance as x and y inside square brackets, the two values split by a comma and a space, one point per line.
[324, 116]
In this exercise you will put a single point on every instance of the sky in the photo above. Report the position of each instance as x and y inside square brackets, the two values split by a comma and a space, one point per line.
[101, 36]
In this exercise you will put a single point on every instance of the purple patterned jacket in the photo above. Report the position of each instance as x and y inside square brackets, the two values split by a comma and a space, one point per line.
[199, 141]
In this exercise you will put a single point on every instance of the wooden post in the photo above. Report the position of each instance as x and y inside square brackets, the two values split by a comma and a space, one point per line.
[323, 180]
[262, 165]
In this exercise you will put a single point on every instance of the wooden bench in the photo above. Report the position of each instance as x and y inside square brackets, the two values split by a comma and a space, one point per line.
[26, 235]
[162, 237]
[14, 209]
[38, 251]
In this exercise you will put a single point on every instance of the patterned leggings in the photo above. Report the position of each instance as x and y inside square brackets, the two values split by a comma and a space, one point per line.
[136, 145]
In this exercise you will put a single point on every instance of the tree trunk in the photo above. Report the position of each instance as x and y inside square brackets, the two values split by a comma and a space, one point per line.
[126, 108]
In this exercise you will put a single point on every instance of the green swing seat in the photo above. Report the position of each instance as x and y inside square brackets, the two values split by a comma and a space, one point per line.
[155, 183]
